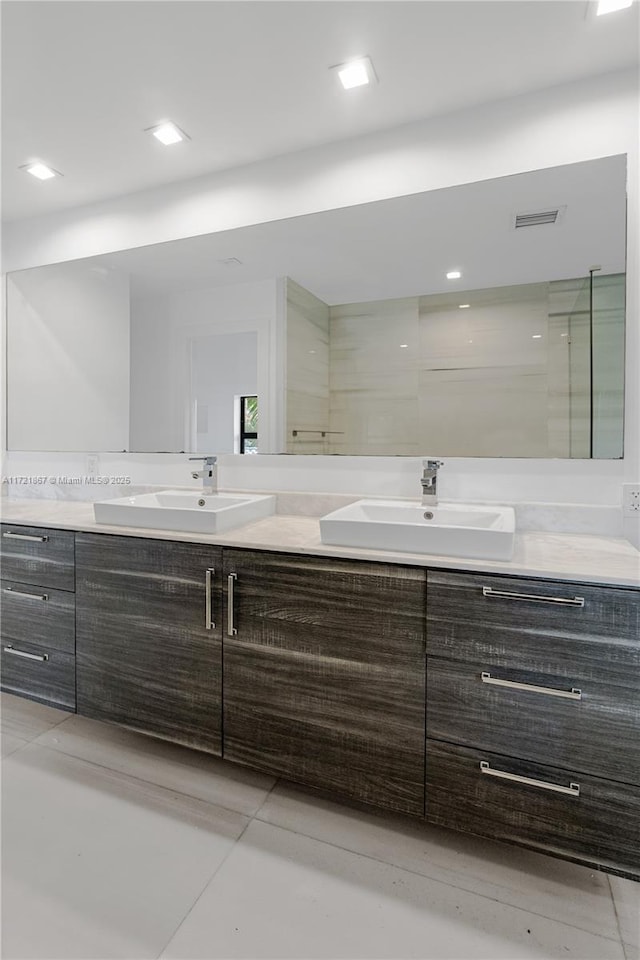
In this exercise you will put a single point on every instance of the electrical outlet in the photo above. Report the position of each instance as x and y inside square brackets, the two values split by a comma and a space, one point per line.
[631, 499]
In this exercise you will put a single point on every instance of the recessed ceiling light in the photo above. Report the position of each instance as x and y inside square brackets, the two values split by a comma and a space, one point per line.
[537, 336]
[610, 6]
[464, 306]
[403, 345]
[454, 275]
[167, 133]
[40, 170]
[356, 73]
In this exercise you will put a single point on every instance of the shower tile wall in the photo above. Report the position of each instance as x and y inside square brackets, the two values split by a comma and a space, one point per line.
[419, 374]
[374, 377]
[507, 376]
[307, 394]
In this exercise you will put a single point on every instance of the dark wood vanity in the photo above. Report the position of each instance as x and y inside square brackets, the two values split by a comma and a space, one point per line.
[502, 706]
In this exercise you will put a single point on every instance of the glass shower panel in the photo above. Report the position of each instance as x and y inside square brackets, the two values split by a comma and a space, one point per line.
[569, 399]
[608, 304]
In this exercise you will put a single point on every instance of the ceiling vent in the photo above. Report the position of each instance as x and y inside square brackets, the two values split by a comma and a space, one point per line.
[536, 219]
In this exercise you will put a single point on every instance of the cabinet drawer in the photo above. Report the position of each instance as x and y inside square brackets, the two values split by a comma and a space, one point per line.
[38, 555]
[598, 822]
[536, 716]
[551, 607]
[38, 615]
[37, 671]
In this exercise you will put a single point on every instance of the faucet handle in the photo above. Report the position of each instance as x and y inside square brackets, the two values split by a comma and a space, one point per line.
[208, 459]
[432, 464]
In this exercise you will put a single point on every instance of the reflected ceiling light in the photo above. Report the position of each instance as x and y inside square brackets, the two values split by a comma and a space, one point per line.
[610, 6]
[454, 275]
[40, 170]
[356, 73]
[403, 345]
[537, 336]
[167, 133]
[464, 306]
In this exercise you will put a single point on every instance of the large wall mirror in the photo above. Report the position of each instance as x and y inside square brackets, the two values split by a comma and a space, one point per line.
[340, 332]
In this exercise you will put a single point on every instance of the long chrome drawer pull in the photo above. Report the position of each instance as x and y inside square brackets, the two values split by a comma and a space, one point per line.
[209, 624]
[27, 656]
[23, 593]
[23, 536]
[574, 694]
[564, 601]
[573, 790]
[231, 581]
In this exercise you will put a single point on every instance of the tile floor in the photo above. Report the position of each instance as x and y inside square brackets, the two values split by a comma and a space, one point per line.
[115, 845]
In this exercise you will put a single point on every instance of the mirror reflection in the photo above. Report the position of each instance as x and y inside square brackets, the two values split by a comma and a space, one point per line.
[341, 332]
[502, 372]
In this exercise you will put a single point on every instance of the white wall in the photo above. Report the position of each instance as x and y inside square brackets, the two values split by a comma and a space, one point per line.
[223, 367]
[68, 359]
[162, 331]
[578, 121]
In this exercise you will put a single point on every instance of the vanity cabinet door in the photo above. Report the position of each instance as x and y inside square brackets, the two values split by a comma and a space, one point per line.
[324, 674]
[146, 657]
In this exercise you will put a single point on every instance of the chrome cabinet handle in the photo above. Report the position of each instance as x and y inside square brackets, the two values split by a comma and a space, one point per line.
[564, 601]
[208, 621]
[573, 790]
[27, 656]
[27, 596]
[231, 582]
[23, 536]
[574, 694]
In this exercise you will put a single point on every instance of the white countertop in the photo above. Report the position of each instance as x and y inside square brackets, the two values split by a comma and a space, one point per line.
[560, 556]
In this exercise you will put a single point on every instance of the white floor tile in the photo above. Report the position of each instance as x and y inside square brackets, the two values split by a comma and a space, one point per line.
[168, 765]
[97, 864]
[626, 895]
[543, 885]
[280, 894]
[10, 743]
[27, 719]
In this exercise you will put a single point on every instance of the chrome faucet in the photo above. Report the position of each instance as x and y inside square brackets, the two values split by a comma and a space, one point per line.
[208, 474]
[429, 482]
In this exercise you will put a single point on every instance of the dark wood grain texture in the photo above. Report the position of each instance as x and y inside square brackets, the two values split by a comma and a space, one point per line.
[608, 613]
[600, 827]
[49, 563]
[52, 680]
[324, 681]
[599, 734]
[144, 657]
[49, 622]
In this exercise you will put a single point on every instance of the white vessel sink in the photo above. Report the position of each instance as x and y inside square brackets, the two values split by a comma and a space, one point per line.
[191, 512]
[450, 529]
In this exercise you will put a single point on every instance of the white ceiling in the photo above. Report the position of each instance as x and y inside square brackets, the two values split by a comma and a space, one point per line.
[404, 247]
[250, 80]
